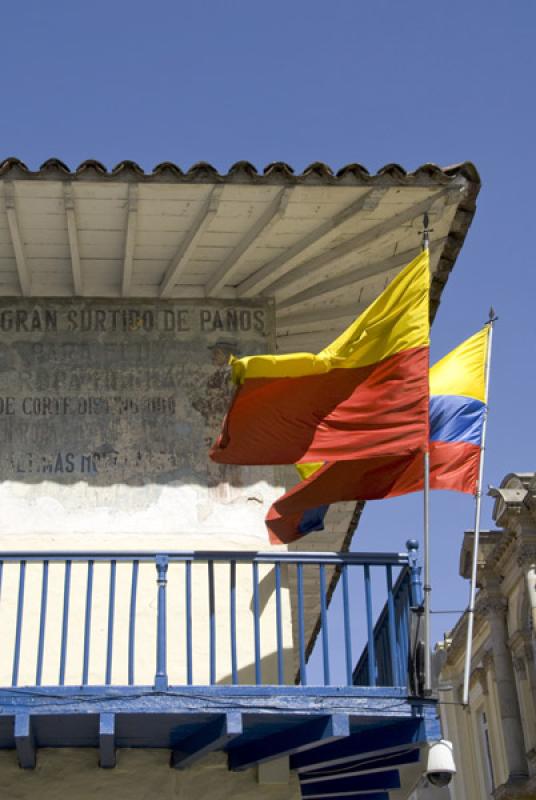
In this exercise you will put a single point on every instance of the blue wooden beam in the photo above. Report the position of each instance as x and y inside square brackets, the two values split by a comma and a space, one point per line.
[107, 741]
[25, 741]
[334, 785]
[296, 739]
[213, 735]
[373, 764]
[366, 706]
[381, 739]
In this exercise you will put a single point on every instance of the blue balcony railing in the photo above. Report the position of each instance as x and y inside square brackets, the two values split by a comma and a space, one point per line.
[203, 618]
[389, 656]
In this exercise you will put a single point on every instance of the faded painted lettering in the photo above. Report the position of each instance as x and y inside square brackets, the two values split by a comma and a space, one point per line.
[127, 392]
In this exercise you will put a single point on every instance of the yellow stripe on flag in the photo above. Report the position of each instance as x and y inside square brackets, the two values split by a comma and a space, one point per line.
[462, 371]
[397, 320]
[306, 470]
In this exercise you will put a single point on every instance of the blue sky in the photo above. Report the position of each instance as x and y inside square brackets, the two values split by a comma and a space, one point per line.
[373, 81]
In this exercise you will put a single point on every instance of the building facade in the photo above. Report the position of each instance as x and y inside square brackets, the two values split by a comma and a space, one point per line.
[495, 735]
[144, 620]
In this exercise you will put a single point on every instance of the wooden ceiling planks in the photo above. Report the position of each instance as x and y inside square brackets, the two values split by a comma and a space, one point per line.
[311, 241]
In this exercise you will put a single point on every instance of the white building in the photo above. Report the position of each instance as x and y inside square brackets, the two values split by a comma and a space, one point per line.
[138, 614]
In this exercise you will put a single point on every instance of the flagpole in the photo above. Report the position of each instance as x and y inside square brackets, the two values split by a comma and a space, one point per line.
[476, 538]
[426, 532]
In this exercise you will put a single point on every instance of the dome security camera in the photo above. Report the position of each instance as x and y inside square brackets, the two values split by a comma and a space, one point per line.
[440, 766]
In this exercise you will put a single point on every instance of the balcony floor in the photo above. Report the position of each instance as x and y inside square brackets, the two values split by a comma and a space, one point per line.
[326, 731]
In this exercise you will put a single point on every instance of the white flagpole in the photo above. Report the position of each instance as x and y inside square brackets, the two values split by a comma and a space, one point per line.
[426, 532]
[476, 538]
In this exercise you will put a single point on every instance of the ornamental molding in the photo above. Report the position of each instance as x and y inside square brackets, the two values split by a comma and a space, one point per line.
[490, 602]
[488, 660]
[520, 666]
[515, 499]
[479, 677]
[502, 551]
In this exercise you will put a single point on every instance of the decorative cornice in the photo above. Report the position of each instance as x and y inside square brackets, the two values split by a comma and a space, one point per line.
[515, 498]
[502, 550]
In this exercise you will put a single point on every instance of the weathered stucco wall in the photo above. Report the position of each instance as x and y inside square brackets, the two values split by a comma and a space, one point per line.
[107, 411]
[139, 775]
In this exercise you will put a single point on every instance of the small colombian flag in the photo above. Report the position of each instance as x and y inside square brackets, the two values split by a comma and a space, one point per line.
[457, 404]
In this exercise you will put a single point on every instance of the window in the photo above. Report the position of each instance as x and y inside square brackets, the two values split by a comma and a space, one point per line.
[487, 763]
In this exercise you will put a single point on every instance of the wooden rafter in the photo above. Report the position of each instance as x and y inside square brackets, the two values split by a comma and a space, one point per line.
[301, 321]
[23, 271]
[354, 276]
[107, 756]
[269, 272]
[274, 211]
[178, 263]
[72, 233]
[25, 741]
[130, 240]
[213, 735]
[298, 739]
[307, 270]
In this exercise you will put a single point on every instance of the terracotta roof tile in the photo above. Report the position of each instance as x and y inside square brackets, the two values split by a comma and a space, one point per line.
[317, 172]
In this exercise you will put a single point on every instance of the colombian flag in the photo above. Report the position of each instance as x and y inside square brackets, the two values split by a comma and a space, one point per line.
[364, 397]
[457, 405]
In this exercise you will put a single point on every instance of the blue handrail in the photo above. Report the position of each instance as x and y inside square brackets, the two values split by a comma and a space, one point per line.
[232, 610]
[249, 556]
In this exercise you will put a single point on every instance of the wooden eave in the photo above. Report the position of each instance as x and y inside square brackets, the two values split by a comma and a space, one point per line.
[321, 244]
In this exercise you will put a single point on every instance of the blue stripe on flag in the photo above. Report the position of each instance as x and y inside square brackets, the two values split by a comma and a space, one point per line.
[312, 519]
[456, 419]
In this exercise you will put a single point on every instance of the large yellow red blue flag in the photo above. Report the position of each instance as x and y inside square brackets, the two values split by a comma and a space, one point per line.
[364, 396]
[457, 404]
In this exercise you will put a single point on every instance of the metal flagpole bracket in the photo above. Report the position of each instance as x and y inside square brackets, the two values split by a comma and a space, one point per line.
[426, 231]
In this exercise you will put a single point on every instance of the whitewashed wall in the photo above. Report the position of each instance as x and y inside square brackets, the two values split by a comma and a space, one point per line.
[107, 412]
[139, 775]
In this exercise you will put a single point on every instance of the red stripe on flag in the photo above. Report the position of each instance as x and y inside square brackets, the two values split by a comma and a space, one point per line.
[453, 465]
[362, 412]
[367, 479]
